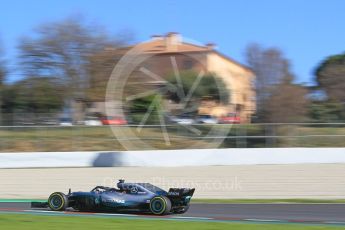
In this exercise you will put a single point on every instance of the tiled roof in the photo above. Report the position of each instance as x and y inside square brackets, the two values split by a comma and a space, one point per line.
[161, 45]
[173, 43]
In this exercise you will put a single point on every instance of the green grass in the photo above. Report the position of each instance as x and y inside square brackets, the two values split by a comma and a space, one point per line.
[25, 221]
[268, 201]
[88, 138]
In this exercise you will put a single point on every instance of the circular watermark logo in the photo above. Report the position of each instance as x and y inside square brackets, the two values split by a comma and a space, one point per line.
[141, 74]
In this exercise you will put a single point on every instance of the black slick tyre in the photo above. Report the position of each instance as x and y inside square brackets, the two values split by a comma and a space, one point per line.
[58, 201]
[160, 205]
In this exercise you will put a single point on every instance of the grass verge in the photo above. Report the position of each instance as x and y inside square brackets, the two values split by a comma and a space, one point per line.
[90, 138]
[25, 221]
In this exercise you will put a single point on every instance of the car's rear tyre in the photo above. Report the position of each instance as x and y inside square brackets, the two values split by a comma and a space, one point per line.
[160, 205]
[58, 201]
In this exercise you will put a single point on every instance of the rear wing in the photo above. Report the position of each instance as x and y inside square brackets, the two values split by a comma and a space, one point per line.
[180, 192]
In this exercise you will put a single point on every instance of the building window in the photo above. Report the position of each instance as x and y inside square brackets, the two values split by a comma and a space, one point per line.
[188, 64]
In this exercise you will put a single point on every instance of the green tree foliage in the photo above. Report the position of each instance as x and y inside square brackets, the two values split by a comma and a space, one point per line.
[2, 73]
[326, 111]
[208, 86]
[34, 95]
[149, 107]
[330, 76]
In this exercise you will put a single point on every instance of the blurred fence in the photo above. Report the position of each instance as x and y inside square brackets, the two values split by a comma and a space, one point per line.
[23, 119]
[34, 138]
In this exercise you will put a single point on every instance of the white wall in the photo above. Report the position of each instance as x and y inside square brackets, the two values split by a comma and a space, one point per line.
[174, 158]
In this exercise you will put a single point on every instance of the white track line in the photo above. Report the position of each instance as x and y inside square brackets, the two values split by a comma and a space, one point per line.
[119, 214]
[334, 222]
[191, 217]
[115, 214]
[42, 211]
[262, 220]
[103, 214]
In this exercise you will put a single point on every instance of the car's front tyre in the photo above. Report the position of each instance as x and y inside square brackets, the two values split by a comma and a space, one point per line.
[58, 201]
[160, 205]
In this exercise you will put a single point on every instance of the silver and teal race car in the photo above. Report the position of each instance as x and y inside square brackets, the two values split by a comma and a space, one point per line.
[127, 197]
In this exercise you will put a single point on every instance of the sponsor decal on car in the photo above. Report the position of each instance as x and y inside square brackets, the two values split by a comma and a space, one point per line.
[118, 201]
[173, 193]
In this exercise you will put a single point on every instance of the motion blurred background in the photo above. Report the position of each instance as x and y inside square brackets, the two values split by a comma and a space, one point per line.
[242, 100]
[272, 74]
[279, 82]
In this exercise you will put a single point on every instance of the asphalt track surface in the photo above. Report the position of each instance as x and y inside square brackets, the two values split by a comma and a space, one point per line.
[324, 214]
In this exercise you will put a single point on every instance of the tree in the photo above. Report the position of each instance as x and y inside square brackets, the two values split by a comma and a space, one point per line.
[99, 69]
[61, 50]
[34, 95]
[278, 98]
[269, 66]
[209, 86]
[146, 109]
[330, 77]
[3, 73]
[287, 104]
[326, 111]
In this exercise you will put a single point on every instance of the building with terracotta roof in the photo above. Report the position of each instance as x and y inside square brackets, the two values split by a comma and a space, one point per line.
[170, 52]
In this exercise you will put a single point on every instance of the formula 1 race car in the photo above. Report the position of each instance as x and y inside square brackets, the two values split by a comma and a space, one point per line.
[139, 197]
